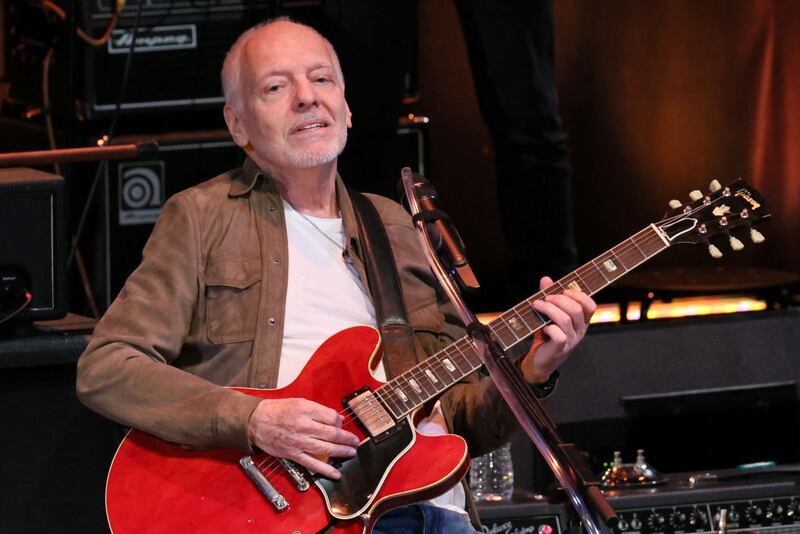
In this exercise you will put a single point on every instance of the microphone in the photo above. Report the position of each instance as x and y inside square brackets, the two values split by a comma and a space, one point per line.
[448, 240]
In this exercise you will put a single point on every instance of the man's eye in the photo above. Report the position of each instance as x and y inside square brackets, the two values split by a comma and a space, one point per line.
[273, 88]
[323, 79]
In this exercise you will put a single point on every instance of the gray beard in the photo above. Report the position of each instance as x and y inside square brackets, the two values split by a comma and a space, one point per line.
[309, 159]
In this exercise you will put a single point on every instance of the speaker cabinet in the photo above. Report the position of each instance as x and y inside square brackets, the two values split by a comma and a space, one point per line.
[32, 243]
[135, 191]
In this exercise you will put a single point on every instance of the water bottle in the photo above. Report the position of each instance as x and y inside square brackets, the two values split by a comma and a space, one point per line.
[491, 476]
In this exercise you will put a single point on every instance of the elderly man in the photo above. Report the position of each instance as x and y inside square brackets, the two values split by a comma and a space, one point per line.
[246, 274]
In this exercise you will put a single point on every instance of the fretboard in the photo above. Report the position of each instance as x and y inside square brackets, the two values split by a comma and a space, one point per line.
[427, 380]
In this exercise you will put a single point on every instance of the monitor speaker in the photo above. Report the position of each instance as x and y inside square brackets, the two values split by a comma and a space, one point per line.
[32, 244]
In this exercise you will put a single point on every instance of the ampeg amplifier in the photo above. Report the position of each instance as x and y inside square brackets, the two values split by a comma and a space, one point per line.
[136, 190]
[178, 50]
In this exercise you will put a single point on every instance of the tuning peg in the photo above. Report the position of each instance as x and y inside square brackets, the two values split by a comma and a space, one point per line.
[696, 195]
[736, 244]
[675, 204]
[714, 186]
[714, 251]
[756, 236]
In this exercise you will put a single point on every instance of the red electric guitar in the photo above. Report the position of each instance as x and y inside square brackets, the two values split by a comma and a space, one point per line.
[156, 486]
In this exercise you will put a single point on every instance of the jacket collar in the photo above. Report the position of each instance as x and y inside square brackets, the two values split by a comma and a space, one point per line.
[244, 181]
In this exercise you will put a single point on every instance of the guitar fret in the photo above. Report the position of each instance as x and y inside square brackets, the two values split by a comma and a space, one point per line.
[609, 266]
[504, 333]
[532, 317]
[459, 360]
[629, 256]
[424, 383]
[592, 277]
[405, 395]
[391, 399]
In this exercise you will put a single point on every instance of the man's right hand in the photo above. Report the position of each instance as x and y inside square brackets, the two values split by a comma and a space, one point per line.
[302, 431]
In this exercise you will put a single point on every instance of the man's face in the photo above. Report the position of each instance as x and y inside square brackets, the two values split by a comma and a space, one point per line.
[291, 109]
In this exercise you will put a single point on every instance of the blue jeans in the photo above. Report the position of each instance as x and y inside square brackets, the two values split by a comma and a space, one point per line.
[423, 519]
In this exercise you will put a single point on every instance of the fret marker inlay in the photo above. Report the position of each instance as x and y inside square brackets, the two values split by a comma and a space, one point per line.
[574, 285]
[515, 324]
[449, 365]
[414, 385]
[432, 376]
[401, 394]
[610, 266]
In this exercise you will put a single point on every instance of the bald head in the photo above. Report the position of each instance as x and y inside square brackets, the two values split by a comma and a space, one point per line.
[234, 69]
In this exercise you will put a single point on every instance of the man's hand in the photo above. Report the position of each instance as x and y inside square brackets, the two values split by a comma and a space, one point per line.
[303, 431]
[569, 312]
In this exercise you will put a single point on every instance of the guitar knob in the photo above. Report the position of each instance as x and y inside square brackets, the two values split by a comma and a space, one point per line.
[714, 186]
[696, 194]
[756, 236]
[675, 204]
[736, 244]
[714, 251]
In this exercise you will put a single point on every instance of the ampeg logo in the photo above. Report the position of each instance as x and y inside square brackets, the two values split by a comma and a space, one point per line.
[154, 39]
[141, 192]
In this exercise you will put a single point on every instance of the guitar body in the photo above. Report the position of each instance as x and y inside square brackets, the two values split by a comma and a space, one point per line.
[157, 486]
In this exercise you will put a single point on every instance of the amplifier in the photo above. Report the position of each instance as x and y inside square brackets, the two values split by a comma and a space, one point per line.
[729, 500]
[719, 501]
[135, 191]
[32, 244]
[522, 517]
[179, 49]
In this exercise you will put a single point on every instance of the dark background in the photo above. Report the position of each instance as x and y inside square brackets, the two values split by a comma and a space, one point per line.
[658, 98]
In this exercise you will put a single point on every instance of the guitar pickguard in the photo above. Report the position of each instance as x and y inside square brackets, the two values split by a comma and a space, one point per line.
[363, 474]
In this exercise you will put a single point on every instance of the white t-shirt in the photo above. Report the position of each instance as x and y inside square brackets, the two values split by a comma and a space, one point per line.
[324, 296]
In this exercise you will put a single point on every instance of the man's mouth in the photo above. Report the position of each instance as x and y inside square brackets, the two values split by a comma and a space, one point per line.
[310, 125]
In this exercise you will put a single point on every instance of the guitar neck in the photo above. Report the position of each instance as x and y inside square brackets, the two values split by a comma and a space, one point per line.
[427, 380]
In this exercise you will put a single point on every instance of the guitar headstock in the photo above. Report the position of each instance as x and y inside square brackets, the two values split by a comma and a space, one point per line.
[713, 214]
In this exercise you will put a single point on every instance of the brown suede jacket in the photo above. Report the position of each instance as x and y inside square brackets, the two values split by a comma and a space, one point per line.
[205, 310]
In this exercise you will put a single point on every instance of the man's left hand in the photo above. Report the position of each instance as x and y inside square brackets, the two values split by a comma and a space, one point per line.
[569, 313]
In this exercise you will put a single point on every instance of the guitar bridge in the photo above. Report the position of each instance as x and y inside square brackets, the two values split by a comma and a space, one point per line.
[371, 413]
[268, 490]
[299, 480]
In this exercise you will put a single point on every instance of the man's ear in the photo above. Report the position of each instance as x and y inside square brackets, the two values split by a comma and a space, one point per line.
[234, 123]
[348, 115]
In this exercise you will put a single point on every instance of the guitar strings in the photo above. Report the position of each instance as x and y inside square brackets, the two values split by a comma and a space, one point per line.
[525, 311]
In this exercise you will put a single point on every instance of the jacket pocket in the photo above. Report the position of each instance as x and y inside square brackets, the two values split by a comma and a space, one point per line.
[232, 294]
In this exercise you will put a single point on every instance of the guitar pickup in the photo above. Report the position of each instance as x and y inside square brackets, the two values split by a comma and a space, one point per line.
[370, 412]
[299, 480]
[268, 490]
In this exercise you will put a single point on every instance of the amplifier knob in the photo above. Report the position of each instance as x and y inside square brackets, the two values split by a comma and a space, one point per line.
[636, 523]
[698, 519]
[791, 509]
[774, 512]
[733, 516]
[656, 521]
[753, 513]
[677, 520]
[622, 526]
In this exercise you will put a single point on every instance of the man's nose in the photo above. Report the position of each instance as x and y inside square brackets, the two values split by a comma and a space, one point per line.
[305, 96]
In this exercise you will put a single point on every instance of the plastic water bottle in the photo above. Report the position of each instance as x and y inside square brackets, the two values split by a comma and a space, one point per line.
[491, 476]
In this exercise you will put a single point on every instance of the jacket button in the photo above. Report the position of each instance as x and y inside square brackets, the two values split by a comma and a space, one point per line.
[272, 321]
[276, 260]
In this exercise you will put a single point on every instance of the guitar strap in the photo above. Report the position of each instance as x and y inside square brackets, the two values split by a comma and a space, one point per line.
[399, 353]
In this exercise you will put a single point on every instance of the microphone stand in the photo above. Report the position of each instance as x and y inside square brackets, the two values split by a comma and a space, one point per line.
[564, 460]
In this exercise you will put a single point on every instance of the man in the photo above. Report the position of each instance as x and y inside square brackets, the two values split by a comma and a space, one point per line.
[247, 273]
